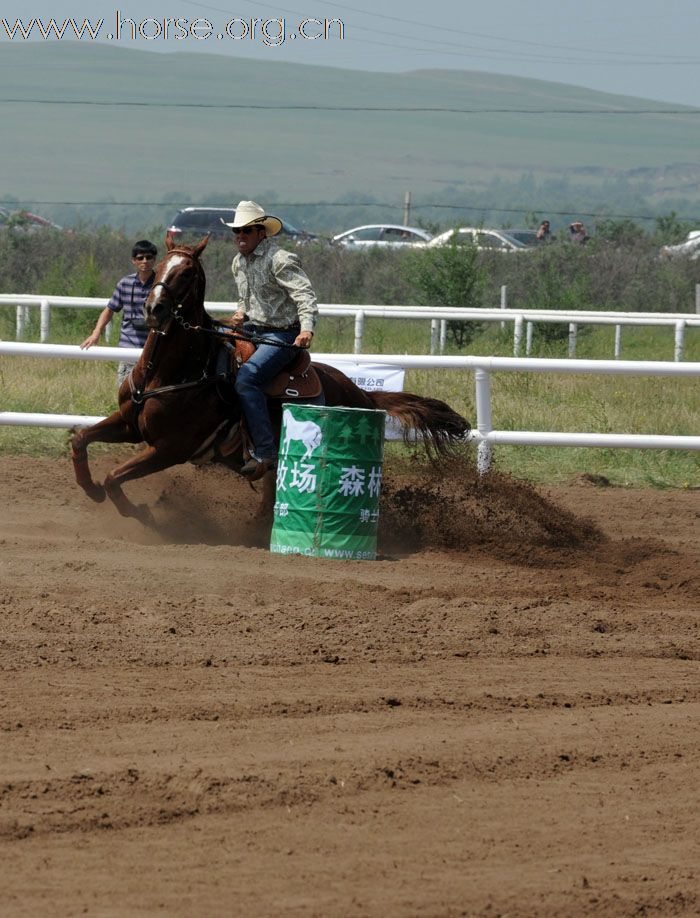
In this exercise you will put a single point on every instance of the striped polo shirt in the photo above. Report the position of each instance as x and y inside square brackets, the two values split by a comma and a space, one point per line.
[129, 297]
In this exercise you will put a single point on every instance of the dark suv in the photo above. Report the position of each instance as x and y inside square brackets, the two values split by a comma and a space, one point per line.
[196, 222]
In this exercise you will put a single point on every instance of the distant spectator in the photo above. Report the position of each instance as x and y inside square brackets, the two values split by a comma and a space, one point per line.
[544, 233]
[129, 296]
[577, 233]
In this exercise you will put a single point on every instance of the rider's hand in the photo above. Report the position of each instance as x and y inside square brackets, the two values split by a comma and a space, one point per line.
[237, 319]
[303, 339]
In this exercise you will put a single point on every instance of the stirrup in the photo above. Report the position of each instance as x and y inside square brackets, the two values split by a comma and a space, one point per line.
[254, 469]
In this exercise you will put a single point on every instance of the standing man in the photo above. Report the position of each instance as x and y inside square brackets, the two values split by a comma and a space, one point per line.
[577, 233]
[276, 302]
[544, 233]
[128, 298]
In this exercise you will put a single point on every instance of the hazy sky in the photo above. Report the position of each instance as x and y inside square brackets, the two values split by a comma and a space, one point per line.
[646, 48]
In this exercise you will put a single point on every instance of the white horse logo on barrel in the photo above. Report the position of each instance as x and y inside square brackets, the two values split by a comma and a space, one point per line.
[309, 433]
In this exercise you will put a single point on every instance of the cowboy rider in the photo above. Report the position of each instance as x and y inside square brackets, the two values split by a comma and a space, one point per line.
[277, 302]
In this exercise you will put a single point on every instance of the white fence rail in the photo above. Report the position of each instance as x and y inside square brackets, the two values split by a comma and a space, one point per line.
[523, 320]
[484, 433]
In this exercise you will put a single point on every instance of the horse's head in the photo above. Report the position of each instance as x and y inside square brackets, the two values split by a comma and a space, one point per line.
[178, 290]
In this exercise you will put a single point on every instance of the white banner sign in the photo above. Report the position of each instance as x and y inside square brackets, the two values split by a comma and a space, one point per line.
[376, 378]
[372, 377]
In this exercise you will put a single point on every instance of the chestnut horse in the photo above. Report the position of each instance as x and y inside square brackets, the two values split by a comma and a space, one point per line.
[174, 400]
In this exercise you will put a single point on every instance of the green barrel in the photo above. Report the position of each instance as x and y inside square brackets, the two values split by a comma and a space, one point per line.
[329, 478]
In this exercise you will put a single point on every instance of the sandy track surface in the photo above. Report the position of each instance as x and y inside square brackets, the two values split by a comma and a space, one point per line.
[498, 717]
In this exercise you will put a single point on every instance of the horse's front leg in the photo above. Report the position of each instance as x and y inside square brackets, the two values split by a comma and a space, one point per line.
[146, 462]
[113, 429]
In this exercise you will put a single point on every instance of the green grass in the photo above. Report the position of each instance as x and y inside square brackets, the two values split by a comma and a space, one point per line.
[398, 336]
[583, 403]
[520, 401]
[393, 336]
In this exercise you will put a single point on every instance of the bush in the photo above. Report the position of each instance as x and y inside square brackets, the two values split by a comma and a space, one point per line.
[450, 276]
[625, 275]
[600, 275]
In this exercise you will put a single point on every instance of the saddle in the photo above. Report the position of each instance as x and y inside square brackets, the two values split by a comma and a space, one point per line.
[298, 380]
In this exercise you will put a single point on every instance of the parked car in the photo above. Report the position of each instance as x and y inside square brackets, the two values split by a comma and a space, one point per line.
[24, 221]
[385, 235]
[690, 248]
[528, 237]
[191, 222]
[492, 239]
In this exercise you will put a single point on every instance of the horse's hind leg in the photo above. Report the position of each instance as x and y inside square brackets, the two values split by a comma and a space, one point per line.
[111, 430]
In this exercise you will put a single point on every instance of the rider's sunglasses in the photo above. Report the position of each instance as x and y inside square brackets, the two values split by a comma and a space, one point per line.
[246, 230]
[144, 257]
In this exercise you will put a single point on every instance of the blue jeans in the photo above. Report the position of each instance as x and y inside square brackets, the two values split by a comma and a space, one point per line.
[251, 379]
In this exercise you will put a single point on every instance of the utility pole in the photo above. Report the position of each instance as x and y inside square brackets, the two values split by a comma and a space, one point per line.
[407, 209]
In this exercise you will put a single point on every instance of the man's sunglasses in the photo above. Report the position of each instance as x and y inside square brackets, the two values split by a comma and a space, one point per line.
[144, 257]
[246, 230]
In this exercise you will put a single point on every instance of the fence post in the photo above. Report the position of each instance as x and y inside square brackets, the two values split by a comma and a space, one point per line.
[21, 321]
[504, 302]
[434, 335]
[359, 331]
[528, 338]
[573, 332]
[483, 419]
[443, 335]
[697, 299]
[45, 321]
[678, 340]
[618, 341]
[108, 331]
[517, 335]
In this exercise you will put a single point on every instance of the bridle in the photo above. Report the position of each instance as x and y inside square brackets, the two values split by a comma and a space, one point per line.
[140, 395]
[173, 304]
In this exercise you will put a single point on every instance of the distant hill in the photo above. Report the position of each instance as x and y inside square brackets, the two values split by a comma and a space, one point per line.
[53, 151]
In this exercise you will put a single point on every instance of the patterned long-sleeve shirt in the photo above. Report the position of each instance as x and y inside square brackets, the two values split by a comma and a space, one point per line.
[129, 296]
[273, 287]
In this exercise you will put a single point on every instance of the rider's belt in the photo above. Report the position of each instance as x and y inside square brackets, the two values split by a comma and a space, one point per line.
[295, 327]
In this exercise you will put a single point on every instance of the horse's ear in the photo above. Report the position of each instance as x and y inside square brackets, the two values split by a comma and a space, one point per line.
[169, 242]
[201, 246]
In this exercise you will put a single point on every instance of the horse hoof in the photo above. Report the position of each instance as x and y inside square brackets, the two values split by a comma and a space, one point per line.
[96, 493]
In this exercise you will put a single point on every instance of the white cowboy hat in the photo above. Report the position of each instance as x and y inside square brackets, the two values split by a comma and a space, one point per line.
[248, 212]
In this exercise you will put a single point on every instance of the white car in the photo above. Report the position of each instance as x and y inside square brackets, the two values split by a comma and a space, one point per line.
[690, 248]
[385, 235]
[498, 240]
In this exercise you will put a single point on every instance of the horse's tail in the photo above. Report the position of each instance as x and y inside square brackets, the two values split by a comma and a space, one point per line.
[440, 427]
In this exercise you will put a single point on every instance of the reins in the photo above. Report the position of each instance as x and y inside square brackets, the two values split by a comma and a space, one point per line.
[235, 336]
[139, 396]
[201, 329]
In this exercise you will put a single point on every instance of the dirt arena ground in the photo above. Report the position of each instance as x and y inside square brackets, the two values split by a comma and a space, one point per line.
[498, 717]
